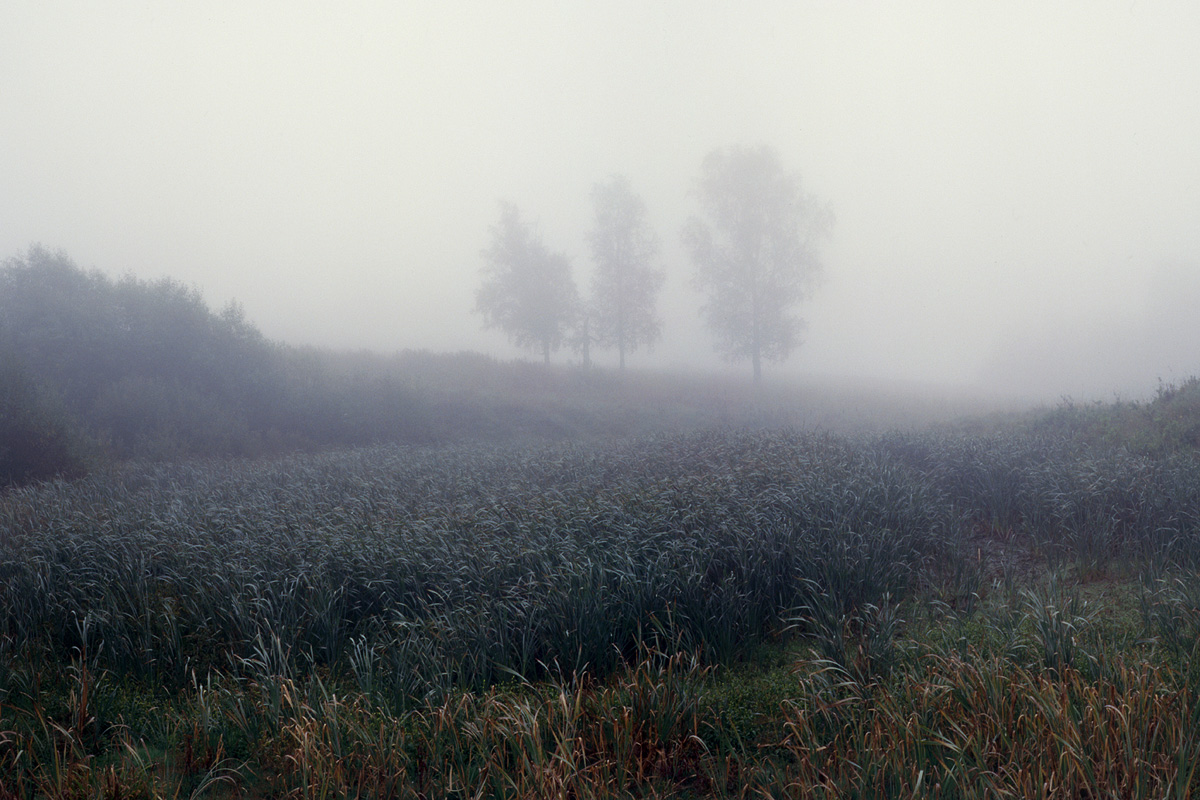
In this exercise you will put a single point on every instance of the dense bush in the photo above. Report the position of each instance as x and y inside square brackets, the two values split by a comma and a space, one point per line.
[37, 440]
[1168, 423]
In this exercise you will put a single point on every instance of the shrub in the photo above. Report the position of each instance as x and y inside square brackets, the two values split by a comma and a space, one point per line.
[37, 439]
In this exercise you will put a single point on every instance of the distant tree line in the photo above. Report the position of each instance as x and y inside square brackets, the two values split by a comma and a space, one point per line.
[754, 245]
[93, 369]
[96, 370]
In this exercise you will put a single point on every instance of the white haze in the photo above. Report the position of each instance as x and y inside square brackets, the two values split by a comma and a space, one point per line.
[1016, 185]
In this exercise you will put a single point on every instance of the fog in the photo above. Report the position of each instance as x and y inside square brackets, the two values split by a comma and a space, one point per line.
[1016, 186]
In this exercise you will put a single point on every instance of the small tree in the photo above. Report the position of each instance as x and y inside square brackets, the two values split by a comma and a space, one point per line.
[755, 251]
[626, 285]
[527, 290]
[582, 337]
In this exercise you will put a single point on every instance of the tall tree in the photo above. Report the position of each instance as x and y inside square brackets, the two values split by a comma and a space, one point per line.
[626, 284]
[527, 290]
[754, 245]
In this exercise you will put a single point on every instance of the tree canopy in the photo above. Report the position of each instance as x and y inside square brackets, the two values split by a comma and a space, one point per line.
[626, 284]
[754, 245]
[527, 290]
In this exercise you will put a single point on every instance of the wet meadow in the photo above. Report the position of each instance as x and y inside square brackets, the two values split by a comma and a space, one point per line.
[715, 613]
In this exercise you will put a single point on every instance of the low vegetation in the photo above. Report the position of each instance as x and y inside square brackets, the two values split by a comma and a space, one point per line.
[1168, 423]
[710, 614]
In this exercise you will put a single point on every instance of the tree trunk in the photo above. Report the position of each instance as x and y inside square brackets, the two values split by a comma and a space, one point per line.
[586, 344]
[621, 336]
[756, 339]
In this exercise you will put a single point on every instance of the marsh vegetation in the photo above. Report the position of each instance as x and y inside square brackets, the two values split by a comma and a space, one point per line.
[717, 613]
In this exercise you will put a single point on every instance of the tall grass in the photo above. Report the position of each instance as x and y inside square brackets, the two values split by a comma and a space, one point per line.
[1092, 505]
[424, 570]
[545, 621]
[428, 570]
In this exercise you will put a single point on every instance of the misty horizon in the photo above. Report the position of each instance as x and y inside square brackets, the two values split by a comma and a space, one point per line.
[1015, 187]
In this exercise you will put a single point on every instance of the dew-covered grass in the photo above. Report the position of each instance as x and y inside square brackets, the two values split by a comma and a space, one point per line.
[704, 614]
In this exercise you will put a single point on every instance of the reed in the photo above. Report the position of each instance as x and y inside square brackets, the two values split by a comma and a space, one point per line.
[552, 621]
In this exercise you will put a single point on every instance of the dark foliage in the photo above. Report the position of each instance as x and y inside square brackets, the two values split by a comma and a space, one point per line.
[36, 439]
[145, 369]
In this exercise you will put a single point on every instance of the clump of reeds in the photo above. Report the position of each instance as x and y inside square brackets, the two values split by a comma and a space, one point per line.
[988, 727]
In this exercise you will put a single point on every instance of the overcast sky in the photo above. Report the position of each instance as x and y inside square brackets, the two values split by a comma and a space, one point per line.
[1016, 185]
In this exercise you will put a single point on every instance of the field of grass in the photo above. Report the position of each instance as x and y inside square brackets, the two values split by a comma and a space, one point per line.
[708, 614]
